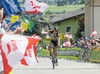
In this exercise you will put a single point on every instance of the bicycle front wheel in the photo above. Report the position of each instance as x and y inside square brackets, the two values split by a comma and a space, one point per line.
[53, 62]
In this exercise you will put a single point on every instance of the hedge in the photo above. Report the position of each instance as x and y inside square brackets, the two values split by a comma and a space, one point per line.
[95, 55]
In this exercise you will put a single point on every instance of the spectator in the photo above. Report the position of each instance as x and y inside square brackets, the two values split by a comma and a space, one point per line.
[67, 43]
[2, 30]
[98, 43]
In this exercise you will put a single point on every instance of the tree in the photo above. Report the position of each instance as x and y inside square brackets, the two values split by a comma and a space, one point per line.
[82, 2]
[80, 28]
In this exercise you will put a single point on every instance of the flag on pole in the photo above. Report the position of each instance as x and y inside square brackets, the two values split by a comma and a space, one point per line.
[67, 43]
[34, 7]
[10, 6]
[15, 48]
[29, 55]
[24, 26]
[29, 22]
[93, 33]
[68, 35]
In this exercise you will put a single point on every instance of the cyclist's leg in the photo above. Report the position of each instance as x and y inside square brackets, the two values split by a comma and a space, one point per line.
[50, 49]
[55, 52]
[56, 55]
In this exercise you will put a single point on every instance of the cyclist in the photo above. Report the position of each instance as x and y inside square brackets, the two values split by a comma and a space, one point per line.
[54, 43]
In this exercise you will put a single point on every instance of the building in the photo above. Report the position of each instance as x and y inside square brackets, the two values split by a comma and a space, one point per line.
[92, 17]
[70, 22]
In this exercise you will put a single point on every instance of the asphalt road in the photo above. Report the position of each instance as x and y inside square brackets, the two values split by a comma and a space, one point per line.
[65, 67]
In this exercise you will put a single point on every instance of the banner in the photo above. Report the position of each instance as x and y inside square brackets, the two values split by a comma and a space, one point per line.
[70, 53]
[10, 6]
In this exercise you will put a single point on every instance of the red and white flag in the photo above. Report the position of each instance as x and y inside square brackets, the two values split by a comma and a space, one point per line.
[34, 7]
[15, 48]
[67, 43]
[68, 35]
[29, 55]
[93, 33]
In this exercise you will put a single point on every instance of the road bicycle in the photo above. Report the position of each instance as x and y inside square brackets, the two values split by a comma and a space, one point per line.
[53, 59]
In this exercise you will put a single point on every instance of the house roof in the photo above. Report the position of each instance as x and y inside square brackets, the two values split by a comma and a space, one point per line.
[65, 16]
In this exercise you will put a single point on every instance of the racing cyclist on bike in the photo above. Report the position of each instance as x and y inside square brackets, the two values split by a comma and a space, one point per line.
[54, 43]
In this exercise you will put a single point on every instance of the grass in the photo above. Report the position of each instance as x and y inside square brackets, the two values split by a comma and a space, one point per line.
[66, 8]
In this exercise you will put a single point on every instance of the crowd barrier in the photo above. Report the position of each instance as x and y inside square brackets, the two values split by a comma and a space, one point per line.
[68, 53]
[92, 55]
[95, 55]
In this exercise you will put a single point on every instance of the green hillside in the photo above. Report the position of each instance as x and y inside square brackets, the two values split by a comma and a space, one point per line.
[58, 9]
[66, 8]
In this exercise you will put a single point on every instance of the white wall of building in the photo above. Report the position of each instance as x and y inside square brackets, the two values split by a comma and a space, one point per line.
[92, 17]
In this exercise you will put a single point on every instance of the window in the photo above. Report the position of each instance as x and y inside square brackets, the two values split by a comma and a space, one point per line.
[68, 29]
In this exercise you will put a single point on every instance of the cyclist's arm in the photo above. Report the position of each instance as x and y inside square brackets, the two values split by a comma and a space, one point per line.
[58, 41]
[17, 31]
